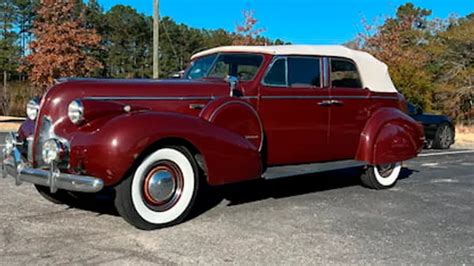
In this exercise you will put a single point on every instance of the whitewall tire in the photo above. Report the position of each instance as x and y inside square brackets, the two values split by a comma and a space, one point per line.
[381, 176]
[162, 190]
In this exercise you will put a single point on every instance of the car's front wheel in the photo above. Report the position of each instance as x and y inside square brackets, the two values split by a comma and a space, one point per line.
[162, 191]
[381, 176]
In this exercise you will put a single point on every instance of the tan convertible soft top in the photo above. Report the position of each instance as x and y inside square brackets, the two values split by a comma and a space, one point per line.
[374, 73]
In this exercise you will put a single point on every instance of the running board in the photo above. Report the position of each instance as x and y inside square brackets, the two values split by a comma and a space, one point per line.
[303, 169]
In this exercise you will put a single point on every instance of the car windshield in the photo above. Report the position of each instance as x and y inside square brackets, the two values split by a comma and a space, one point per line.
[242, 66]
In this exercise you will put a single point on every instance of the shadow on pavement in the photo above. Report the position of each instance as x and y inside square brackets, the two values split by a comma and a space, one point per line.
[246, 192]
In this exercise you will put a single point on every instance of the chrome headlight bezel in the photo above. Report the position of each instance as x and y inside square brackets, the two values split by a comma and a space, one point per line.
[32, 109]
[75, 112]
[53, 151]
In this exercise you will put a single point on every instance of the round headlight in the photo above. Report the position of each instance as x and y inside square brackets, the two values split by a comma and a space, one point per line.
[52, 150]
[9, 143]
[75, 111]
[32, 109]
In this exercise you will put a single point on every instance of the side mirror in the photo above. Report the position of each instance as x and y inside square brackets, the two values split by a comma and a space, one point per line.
[178, 75]
[233, 82]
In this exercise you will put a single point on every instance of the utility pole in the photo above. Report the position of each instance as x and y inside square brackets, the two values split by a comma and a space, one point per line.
[156, 39]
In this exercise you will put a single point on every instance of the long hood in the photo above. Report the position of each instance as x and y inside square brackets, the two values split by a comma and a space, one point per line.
[137, 88]
[162, 95]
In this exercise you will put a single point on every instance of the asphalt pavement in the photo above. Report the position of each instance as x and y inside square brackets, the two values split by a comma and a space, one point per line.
[427, 218]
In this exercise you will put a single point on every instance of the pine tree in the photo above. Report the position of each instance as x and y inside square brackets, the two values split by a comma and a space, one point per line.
[63, 44]
[9, 50]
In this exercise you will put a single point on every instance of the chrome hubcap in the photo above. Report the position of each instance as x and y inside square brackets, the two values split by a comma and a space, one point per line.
[162, 186]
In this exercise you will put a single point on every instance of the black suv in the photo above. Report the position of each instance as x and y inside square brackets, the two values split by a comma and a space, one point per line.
[439, 129]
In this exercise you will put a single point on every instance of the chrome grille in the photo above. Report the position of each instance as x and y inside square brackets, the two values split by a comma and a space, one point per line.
[45, 133]
[29, 148]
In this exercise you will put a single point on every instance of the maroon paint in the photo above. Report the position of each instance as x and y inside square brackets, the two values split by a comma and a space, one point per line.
[390, 136]
[235, 115]
[227, 131]
[110, 152]
[347, 119]
[296, 129]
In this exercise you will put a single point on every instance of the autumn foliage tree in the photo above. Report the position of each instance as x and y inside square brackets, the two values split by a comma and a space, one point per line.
[401, 43]
[63, 44]
[247, 33]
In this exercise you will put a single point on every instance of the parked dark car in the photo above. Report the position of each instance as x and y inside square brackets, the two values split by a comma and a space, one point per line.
[439, 129]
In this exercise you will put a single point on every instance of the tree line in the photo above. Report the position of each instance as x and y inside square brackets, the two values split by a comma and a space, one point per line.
[41, 40]
[431, 60]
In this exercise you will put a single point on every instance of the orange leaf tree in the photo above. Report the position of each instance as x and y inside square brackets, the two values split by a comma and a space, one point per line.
[247, 33]
[401, 42]
[63, 44]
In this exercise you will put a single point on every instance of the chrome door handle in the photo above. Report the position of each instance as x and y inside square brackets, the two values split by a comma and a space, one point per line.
[336, 102]
[325, 103]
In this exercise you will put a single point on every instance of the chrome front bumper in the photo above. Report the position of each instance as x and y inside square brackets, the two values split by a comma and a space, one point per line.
[13, 165]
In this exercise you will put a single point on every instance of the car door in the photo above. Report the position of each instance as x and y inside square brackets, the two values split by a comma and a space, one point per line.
[296, 125]
[349, 109]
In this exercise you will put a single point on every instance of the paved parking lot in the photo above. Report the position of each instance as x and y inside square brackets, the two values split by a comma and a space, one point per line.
[320, 218]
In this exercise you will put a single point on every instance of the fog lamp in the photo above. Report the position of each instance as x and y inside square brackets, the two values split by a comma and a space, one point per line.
[9, 143]
[52, 151]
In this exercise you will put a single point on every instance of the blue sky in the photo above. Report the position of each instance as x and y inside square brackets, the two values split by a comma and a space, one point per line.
[297, 21]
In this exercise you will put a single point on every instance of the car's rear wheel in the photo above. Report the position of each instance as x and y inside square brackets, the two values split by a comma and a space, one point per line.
[381, 176]
[162, 191]
[443, 137]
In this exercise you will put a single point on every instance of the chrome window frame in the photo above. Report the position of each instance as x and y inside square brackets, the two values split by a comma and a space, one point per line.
[270, 66]
[285, 57]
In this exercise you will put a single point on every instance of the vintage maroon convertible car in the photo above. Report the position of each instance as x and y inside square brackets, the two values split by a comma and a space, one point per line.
[238, 113]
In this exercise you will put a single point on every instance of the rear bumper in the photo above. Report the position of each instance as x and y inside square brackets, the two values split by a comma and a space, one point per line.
[12, 164]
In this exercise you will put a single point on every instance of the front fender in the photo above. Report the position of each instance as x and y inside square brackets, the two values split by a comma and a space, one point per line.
[390, 136]
[110, 150]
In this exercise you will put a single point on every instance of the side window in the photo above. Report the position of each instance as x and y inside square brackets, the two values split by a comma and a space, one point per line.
[344, 74]
[277, 74]
[304, 72]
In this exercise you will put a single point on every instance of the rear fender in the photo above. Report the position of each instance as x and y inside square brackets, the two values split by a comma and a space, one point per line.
[390, 136]
[111, 149]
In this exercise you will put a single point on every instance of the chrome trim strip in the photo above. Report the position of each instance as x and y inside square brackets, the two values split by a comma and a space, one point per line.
[209, 98]
[326, 81]
[349, 97]
[384, 97]
[149, 98]
[328, 97]
[274, 97]
[249, 97]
